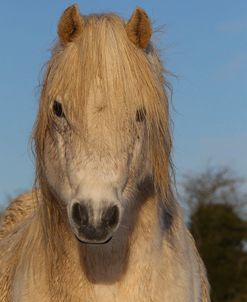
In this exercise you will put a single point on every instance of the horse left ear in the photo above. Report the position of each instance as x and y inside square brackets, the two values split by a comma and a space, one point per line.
[70, 24]
[139, 28]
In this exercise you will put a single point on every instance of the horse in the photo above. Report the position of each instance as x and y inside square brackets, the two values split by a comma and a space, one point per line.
[102, 223]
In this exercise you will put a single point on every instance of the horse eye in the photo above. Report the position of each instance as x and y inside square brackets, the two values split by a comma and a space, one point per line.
[140, 115]
[58, 109]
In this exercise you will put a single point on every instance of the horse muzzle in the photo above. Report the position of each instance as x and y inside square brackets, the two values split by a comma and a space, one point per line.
[91, 228]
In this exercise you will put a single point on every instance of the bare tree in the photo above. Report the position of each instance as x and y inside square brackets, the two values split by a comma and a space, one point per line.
[215, 185]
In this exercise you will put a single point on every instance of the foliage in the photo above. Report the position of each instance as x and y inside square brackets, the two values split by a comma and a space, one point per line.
[220, 231]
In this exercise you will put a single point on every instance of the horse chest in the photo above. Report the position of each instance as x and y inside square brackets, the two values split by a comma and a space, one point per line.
[139, 284]
[114, 293]
[142, 283]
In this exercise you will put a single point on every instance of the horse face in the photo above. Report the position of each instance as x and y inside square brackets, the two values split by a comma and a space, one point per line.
[96, 173]
[97, 89]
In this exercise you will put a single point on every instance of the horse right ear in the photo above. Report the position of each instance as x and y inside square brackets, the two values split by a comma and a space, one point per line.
[139, 29]
[70, 24]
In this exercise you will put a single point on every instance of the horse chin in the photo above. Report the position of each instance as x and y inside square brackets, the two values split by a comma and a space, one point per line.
[83, 241]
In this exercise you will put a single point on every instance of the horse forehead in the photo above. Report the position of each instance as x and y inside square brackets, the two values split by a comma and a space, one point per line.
[96, 101]
[96, 87]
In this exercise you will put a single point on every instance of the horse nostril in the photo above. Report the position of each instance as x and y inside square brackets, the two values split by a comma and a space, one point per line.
[112, 216]
[80, 214]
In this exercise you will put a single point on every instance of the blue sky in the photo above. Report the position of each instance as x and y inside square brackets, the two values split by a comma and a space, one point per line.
[204, 43]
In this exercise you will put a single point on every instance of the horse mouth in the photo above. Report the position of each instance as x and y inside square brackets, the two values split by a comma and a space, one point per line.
[93, 242]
